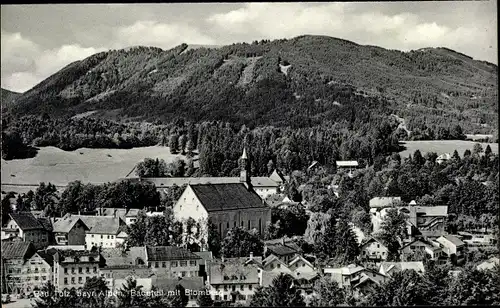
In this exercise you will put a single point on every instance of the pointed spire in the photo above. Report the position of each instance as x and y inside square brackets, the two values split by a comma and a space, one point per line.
[244, 155]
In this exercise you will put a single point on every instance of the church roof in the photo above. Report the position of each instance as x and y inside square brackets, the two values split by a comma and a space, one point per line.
[257, 181]
[220, 197]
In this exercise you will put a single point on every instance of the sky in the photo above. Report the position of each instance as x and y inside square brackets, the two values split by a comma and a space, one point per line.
[39, 40]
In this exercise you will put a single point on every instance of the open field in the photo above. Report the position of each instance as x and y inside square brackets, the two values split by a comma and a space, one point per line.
[442, 146]
[87, 165]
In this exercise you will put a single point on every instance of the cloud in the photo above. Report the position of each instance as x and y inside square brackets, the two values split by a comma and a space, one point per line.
[152, 33]
[25, 63]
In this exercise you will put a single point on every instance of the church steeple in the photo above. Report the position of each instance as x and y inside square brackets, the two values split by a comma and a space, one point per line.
[245, 170]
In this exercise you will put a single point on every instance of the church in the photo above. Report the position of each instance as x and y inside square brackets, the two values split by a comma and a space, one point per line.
[226, 205]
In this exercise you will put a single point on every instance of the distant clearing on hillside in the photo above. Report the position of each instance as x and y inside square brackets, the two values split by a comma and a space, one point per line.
[87, 165]
[442, 146]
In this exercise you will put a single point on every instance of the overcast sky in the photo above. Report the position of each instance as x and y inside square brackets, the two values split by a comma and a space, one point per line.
[38, 40]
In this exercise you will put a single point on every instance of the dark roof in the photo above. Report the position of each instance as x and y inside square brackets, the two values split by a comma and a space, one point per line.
[26, 221]
[169, 284]
[17, 250]
[47, 256]
[46, 223]
[166, 253]
[282, 250]
[220, 197]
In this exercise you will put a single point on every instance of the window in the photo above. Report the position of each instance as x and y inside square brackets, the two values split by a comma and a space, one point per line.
[44, 278]
[101, 237]
[95, 269]
[80, 279]
[233, 288]
[278, 265]
[72, 270]
[303, 264]
[217, 288]
[43, 270]
[225, 297]
[272, 265]
[192, 263]
[65, 280]
[157, 265]
[225, 288]
[36, 278]
[183, 273]
[164, 264]
[378, 245]
[87, 270]
[227, 225]
[248, 224]
[80, 270]
[250, 287]
[183, 263]
[108, 237]
[242, 224]
[242, 287]
[72, 280]
[173, 263]
[92, 235]
[217, 297]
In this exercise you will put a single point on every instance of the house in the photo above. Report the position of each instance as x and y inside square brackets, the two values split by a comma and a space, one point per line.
[173, 262]
[116, 276]
[233, 279]
[225, 205]
[285, 249]
[73, 267]
[26, 226]
[373, 249]
[70, 231]
[348, 165]
[451, 245]
[426, 218]
[129, 216]
[358, 278]
[478, 239]
[193, 287]
[14, 272]
[489, 264]
[382, 202]
[389, 268]
[103, 230]
[421, 247]
[279, 178]
[443, 158]
[37, 271]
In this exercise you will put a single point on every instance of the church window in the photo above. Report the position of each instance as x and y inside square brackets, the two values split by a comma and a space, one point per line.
[248, 224]
[227, 225]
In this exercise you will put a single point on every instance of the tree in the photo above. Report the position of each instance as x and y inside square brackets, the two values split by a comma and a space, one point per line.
[180, 299]
[182, 143]
[282, 293]
[487, 151]
[326, 246]
[477, 149]
[97, 286]
[240, 243]
[328, 294]
[205, 300]
[48, 298]
[475, 287]
[347, 248]
[173, 143]
[214, 239]
[6, 209]
[455, 156]
[392, 231]
[128, 294]
[151, 168]
[405, 288]
[316, 226]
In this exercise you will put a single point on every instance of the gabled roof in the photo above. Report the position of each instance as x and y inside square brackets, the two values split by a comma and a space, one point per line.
[47, 256]
[390, 267]
[300, 258]
[272, 258]
[99, 224]
[65, 225]
[235, 270]
[167, 253]
[426, 244]
[179, 181]
[46, 223]
[17, 250]
[220, 197]
[347, 163]
[370, 240]
[277, 176]
[378, 202]
[169, 284]
[453, 239]
[489, 264]
[205, 255]
[26, 221]
[283, 250]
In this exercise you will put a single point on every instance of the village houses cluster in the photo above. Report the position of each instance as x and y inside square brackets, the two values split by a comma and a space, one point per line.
[71, 249]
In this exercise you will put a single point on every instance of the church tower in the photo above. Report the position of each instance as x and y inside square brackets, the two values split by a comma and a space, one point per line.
[245, 170]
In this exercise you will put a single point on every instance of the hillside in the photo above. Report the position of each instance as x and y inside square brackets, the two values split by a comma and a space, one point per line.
[302, 81]
[8, 97]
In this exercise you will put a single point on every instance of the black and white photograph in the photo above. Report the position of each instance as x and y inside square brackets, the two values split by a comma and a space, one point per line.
[251, 154]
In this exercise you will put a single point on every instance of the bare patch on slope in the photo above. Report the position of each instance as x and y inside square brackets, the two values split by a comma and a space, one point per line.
[247, 74]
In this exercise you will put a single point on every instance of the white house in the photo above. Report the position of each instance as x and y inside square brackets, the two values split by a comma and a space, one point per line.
[373, 249]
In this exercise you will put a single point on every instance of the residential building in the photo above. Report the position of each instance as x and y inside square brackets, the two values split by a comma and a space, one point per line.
[38, 271]
[103, 230]
[14, 272]
[129, 216]
[116, 276]
[193, 287]
[389, 268]
[70, 231]
[382, 202]
[173, 262]
[285, 249]
[234, 279]
[373, 249]
[443, 158]
[488, 264]
[422, 247]
[73, 267]
[358, 278]
[27, 227]
[478, 239]
[451, 245]
[349, 165]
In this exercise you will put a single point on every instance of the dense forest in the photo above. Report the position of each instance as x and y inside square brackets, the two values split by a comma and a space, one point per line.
[301, 82]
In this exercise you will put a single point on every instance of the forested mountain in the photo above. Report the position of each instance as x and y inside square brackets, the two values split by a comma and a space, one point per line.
[301, 82]
[8, 96]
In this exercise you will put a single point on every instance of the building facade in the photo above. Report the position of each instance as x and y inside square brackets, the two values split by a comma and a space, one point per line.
[73, 268]
[27, 227]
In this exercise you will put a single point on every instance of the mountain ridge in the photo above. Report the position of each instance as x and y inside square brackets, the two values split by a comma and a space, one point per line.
[190, 83]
